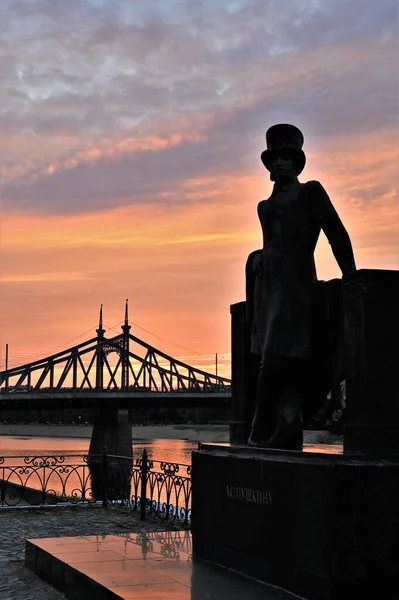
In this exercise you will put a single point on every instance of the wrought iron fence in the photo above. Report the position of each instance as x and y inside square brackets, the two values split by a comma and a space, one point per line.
[165, 486]
[152, 488]
[44, 480]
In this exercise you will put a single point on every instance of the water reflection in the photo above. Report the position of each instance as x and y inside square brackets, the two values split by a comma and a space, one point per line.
[178, 451]
[174, 545]
[54, 470]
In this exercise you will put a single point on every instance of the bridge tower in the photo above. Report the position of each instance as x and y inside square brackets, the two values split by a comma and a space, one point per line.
[125, 350]
[112, 429]
[100, 352]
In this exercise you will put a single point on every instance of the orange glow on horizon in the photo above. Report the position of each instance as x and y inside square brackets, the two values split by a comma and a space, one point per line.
[181, 265]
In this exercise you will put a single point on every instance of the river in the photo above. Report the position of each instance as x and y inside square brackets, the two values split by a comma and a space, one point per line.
[178, 451]
[171, 450]
[67, 473]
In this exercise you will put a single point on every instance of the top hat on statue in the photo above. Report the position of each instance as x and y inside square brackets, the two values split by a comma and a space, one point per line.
[284, 140]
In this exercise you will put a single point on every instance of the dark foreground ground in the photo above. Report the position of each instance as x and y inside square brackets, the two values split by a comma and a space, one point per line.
[19, 583]
[17, 525]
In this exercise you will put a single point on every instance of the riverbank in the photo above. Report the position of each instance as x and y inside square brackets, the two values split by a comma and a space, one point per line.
[192, 433]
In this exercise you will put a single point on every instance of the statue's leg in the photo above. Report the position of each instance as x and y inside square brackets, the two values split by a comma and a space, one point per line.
[288, 434]
[267, 400]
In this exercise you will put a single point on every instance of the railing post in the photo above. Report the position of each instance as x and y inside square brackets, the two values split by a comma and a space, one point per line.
[44, 484]
[104, 464]
[2, 490]
[144, 474]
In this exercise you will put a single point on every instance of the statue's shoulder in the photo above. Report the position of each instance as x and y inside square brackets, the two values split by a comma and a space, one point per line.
[261, 206]
[313, 186]
[316, 194]
[265, 201]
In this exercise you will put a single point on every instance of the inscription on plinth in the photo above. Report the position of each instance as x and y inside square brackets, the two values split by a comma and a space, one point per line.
[249, 495]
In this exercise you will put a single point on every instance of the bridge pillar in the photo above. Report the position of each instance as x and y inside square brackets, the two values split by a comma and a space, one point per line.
[112, 430]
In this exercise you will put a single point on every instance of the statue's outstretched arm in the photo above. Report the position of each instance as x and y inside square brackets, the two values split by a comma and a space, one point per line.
[334, 229]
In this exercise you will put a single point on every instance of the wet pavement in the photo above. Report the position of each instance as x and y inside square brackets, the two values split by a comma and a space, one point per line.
[137, 566]
[18, 524]
[17, 582]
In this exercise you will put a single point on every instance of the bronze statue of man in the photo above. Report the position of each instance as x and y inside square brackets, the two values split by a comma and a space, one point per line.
[282, 284]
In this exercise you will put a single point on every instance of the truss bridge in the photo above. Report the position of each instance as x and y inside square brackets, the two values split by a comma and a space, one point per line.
[121, 371]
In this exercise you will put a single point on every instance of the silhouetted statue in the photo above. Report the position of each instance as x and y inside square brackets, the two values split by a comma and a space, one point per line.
[283, 298]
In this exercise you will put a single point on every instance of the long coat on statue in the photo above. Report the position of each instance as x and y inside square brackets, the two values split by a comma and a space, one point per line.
[291, 314]
[281, 299]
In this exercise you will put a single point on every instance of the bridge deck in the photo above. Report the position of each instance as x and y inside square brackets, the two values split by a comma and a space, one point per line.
[42, 400]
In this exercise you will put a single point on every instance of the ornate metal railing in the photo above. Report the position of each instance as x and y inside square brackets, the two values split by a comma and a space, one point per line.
[166, 487]
[156, 489]
[41, 480]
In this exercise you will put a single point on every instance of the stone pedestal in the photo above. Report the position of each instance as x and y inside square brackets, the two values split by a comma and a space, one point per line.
[371, 307]
[110, 473]
[323, 526]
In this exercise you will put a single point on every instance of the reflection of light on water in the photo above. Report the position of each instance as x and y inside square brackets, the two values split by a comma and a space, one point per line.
[160, 449]
[71, 473]
[178, 451]
[39, 446]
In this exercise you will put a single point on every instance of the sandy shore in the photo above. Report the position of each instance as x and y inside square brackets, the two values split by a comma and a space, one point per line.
[194, 433]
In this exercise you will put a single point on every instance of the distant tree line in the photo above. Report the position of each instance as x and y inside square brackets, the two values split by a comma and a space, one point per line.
[142, 416]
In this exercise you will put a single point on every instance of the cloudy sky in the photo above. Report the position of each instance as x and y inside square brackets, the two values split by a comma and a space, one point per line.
[130, 135]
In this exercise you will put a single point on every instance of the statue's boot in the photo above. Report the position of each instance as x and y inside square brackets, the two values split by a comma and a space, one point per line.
[256, 439]
[259, 431]
[289, 438]
[289, 431]
[265, 416]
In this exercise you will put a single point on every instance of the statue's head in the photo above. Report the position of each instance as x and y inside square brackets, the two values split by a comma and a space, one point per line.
[284, 155]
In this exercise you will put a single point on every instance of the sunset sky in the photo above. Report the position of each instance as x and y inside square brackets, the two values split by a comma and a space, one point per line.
[130, 141]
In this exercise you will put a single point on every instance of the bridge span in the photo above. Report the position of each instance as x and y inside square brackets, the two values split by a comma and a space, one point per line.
[114, 377]
[119, 399]
[122, 371]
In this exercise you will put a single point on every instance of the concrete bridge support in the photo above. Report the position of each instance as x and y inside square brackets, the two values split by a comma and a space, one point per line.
[111, 439]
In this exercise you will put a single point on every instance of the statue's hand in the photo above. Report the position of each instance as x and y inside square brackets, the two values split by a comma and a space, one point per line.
[257, 264]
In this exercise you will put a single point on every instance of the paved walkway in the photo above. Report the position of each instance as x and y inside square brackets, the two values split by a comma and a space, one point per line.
[17, 525]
